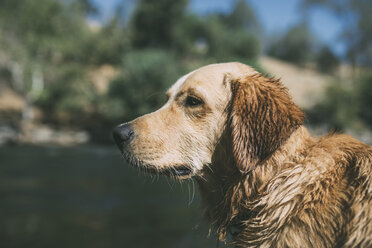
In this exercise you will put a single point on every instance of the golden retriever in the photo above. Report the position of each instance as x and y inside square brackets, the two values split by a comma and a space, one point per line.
[262, 176]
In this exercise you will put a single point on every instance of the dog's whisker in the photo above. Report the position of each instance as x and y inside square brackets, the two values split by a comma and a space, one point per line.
[202, 177]
[210, 168]
[170, 186]
[191, 199]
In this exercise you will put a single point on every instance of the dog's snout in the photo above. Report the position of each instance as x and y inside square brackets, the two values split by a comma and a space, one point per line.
[123, 134]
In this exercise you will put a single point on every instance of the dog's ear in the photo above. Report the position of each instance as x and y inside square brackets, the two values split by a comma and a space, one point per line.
[262, 117]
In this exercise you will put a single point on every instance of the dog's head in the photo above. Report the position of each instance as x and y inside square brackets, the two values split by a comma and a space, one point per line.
[180, 138]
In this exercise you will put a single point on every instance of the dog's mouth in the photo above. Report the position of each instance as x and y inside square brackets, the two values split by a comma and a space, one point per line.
[178, 171]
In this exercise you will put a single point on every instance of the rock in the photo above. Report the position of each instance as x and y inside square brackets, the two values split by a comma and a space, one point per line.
[46, 135]
[7, 135]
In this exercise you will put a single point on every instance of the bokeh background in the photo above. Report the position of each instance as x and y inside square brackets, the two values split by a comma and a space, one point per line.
[70, 70]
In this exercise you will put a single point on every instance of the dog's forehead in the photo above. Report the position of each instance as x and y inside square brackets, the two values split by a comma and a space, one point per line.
[210, 76]
[177, 85]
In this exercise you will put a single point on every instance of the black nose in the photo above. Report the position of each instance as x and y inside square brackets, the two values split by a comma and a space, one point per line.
[123, 134]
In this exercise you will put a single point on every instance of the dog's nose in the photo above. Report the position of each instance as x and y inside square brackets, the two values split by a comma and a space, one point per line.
[123, 134]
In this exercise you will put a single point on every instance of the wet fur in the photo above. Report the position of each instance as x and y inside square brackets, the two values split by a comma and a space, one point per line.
[259, 171]
[279, 186]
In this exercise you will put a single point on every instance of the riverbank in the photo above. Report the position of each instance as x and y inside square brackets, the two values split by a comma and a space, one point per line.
[31, 134]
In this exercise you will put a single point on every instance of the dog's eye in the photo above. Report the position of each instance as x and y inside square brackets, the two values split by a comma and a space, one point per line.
[192, 101]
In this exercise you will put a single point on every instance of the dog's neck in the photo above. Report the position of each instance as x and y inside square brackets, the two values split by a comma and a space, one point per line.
[228, 195]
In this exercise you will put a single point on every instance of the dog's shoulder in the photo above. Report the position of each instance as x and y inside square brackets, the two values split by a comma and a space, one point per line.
[339, 150]
[358, 158]
[344, 142]
[314, 196]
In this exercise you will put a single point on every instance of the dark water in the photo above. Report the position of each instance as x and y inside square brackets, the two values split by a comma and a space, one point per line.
[88, 197]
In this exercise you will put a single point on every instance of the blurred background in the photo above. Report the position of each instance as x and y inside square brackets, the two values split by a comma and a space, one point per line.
[70, 70]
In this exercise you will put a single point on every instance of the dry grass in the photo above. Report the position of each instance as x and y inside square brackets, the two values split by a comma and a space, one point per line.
[305, 85]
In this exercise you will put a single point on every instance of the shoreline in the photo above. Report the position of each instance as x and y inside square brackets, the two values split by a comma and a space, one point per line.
[31, 134]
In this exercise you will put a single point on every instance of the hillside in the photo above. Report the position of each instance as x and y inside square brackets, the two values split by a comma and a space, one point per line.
[305, 85]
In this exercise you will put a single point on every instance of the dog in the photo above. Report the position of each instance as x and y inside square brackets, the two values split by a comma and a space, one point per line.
[262, 177]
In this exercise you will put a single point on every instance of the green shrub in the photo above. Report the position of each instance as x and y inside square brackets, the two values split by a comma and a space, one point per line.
[364, 101]
[244, 45]
[345, 106]
[140, 87]
[294, 46]
[336, 111]
[69, 97]
[326, 60]
[109, 44]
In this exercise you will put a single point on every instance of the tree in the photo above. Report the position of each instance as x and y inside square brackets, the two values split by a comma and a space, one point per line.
[87, 6]
[222, 36]
[155, 22]
[46, 48]
[110, 43]
[356, 18]
[242, 17]
[295, 46]
[337, 110]
[364, 99]
[326, 60]
[140, 88]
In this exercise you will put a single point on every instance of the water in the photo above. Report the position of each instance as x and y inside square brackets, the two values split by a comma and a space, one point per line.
[88, 197]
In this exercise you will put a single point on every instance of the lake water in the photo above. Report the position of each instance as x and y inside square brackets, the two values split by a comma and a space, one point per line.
[87, 196]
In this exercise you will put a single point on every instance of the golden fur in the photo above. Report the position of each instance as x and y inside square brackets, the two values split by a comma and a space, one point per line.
[259, 171]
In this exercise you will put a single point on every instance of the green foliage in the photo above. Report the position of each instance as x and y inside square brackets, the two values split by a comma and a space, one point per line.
[110, 43]
[47, 28]
[140, 88]
[344, 107]
[223, 44]
[364, 101]
[337, 110]
[356, 19]
[51, 38]
[242, 17]
[69, 97]
[220, 37]
[186, 35]
[326, 60]
[243, 46]
[154, 22]
[295, 46]
[150, 50]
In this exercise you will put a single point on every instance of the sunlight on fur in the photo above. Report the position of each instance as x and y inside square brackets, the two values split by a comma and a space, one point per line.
[262, 177]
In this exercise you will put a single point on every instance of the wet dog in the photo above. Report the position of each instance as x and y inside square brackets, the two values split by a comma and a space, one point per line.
[259, 171]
